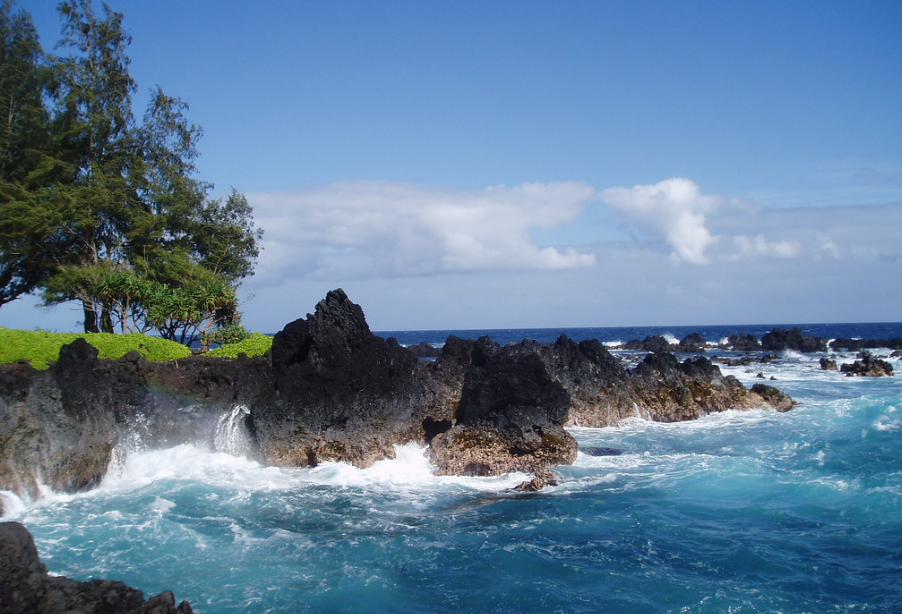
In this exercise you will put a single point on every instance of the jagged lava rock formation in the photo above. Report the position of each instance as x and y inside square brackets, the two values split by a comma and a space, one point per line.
[26, 587]
[338, 392]
[330, 390]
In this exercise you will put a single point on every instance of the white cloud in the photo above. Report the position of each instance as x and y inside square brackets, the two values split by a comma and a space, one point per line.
[674, 209]
[759, 246]
[365, 229]
[827, 246]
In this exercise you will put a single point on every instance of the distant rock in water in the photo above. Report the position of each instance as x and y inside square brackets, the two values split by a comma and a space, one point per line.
[692, 344]
[331, 390]
[26, 587]
[868, 365]
[828, 364]
[856, 345]
[743, 342]
[779, 340]
[654, 343]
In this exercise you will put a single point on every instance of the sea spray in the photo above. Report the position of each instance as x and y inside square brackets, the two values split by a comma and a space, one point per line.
[231, 436]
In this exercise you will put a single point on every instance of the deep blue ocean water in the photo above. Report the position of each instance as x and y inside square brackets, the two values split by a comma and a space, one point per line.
[737, 512]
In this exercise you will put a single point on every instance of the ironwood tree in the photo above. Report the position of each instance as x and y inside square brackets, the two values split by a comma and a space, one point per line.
[96, 205]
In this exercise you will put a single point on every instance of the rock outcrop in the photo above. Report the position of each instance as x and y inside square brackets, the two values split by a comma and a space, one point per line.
[61, 426]
[26, 587]
[339, 393]
[331, 390]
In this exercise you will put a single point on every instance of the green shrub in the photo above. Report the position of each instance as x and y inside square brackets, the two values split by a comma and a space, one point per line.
[233, 332]
[255, 345]
[42, 347]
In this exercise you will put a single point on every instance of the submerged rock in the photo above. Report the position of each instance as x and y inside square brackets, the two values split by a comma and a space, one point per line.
[828, 364]
[600, 451]
[540, 480]
[25, 585]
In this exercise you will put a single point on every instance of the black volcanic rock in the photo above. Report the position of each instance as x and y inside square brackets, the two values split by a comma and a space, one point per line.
[424, 349]
[340, 393]
[743, 342]
[598, 384]
[780, 339]
[654, 343]
[26, 587]
[510, 417]
[692, 344]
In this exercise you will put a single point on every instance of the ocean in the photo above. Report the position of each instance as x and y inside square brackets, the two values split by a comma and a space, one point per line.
[740, 512]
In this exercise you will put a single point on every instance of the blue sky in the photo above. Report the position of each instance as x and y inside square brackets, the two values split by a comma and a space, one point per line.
[532, 164]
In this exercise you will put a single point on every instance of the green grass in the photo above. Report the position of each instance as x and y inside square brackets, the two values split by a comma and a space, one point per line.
[255, 345]
[41, 347]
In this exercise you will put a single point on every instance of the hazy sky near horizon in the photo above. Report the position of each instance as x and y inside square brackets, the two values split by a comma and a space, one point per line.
[540, 164]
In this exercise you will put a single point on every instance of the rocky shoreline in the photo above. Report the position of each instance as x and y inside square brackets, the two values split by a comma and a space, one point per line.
[331, 390]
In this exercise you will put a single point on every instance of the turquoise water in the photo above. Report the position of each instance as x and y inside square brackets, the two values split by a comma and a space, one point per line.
[738, 512]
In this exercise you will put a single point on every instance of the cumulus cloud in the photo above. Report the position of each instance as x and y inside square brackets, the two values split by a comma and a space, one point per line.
[369, 229]
[674, 209]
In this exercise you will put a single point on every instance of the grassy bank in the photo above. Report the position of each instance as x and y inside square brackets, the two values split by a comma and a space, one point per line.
[42, 348]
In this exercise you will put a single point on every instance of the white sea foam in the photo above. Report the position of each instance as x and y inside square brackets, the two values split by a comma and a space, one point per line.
[409, 472]
[12, 504]
[717, 420]
[182, 462]
[409, 469]
[885, 423]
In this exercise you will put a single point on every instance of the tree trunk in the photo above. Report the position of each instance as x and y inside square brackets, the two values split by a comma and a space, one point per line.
[106, 319]
[90, 318]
